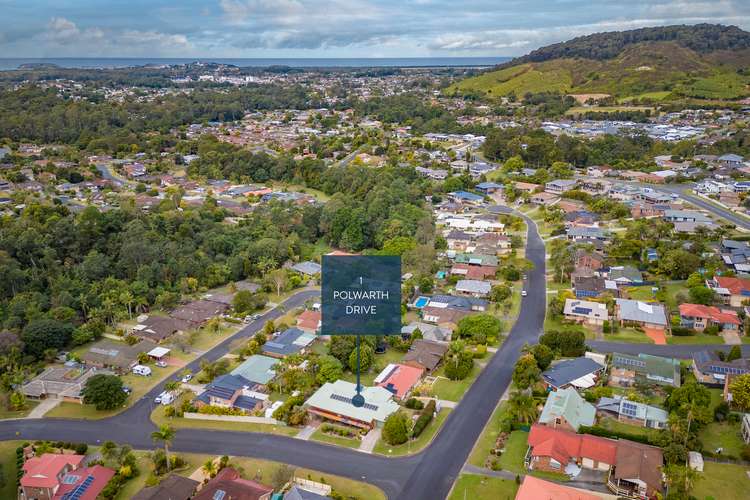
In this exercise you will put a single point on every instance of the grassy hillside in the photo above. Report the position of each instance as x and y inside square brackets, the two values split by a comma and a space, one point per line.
[653, 70]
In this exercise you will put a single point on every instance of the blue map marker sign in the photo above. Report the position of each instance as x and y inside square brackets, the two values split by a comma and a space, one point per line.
[361, 295]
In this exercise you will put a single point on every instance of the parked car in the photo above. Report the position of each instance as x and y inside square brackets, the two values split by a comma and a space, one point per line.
[126, 389]
[164, 398]
[523, 293]
[187, 378]
[161, 364]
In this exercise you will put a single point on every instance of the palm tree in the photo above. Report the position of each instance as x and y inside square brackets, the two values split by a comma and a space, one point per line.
[172, 386]
[209, 468]
[109, 450]
[165, 434]
[522, 406]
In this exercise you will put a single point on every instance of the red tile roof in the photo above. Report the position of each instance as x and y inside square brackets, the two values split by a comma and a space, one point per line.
[309, 320]
[401, 379]
[734, 285]
[563, 445]
[101, 476]
[711, 312]
[235, 488]
[42, 472]
[534, 488]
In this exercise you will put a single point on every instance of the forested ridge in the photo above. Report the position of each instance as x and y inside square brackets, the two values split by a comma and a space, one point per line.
[702, 38]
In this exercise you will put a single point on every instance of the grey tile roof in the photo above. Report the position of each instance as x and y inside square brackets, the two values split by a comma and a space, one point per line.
[567, 371]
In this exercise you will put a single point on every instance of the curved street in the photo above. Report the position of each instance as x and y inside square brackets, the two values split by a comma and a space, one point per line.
[427, 475]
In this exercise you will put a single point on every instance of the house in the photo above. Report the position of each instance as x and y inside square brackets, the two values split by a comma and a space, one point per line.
[290, 341]
[634, 469]
[731, 160]
[399, 379]
[648, 315]
[116, 356]
[560, 186]
[488, 187]
[584, 233]
[198, 312]
[258, 370]
[527, 187]
[628, 369]
[466, 197]
[476, 259]
[699, 317]
[632, 412]
[458, 240]
[500, 242]
[447, 317]
[709, 369]
[685, 216]
[333, 401]
[172, 487]
[307, 268]
[566, 409]
[533, 488]
[588, 259]
[228, 485]
[544, 198]
[232, 391]
[467, 304]
[60, 382]
[159, 328]
[473, 288]
[473, 272]
[732, 291]
[425, 354]
[693, 227]
[584, 311]
[309, 321]
[298, 493]
[62, 476]
[580, 373]
[625, 275]
[436, 333]
[593, 286]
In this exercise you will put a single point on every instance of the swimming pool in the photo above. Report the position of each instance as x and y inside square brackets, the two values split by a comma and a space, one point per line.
[421, 302]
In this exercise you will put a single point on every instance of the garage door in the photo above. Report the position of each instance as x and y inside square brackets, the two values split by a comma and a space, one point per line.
[588, 463]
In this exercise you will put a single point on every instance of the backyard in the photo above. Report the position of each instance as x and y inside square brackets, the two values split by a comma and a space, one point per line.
[722, 482]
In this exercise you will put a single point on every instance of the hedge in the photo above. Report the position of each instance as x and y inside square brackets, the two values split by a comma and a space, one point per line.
[424, 418]
[602, 432]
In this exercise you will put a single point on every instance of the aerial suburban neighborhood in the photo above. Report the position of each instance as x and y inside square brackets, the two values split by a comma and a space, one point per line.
[571, 229]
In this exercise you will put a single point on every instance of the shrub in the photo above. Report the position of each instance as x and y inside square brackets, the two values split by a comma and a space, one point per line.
[81, 448]
[681, 331]
[414, 404]
[395, 429]
[424, 418]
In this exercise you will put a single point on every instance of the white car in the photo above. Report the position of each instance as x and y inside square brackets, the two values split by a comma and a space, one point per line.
[161, 364]
[523, 293]
[187, 378]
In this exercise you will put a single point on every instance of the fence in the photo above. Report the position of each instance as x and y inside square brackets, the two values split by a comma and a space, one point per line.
[234, 418]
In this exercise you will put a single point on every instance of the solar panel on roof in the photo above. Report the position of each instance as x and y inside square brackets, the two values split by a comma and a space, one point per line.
[582, 310]
[77, 493]
[219, 494]
[275, 345]
[71, 479]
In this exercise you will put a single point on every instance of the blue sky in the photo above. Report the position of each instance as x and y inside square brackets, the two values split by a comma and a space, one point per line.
[329, 28]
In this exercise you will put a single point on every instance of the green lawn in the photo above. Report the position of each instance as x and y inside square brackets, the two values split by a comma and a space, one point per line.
[559, 323]
[722, 482]
[471, 486]
[615, 425]
[487, 438]
[30, 405]
[515, 451]
[640, 293]
[722, 435]
[381, 361]
[695, 339]
[453, 390]
[415, 445]
[158, 417]
[321, 436]
[9, 469]
[628, 335]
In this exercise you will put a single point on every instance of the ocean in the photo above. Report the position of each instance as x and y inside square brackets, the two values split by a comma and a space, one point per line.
[116, 62]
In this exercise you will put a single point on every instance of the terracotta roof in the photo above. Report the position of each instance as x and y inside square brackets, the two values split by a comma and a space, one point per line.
[711, 312]
[42, 472]
[173, 487]
[234, 487]
[534, 488]
[734, 285]
[309, 320]
[401, 379]
[77, 479]
[563, 445]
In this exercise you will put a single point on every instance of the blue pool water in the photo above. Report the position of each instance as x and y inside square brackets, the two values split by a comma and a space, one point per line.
[421, 302]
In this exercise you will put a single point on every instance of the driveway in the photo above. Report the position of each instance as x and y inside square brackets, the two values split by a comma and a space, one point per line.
[731, 337]
[656, 334]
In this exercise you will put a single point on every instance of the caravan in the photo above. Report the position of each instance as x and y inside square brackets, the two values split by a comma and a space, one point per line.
[142, 370]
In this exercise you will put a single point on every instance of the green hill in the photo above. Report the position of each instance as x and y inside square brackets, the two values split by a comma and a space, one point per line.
[703, 62]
